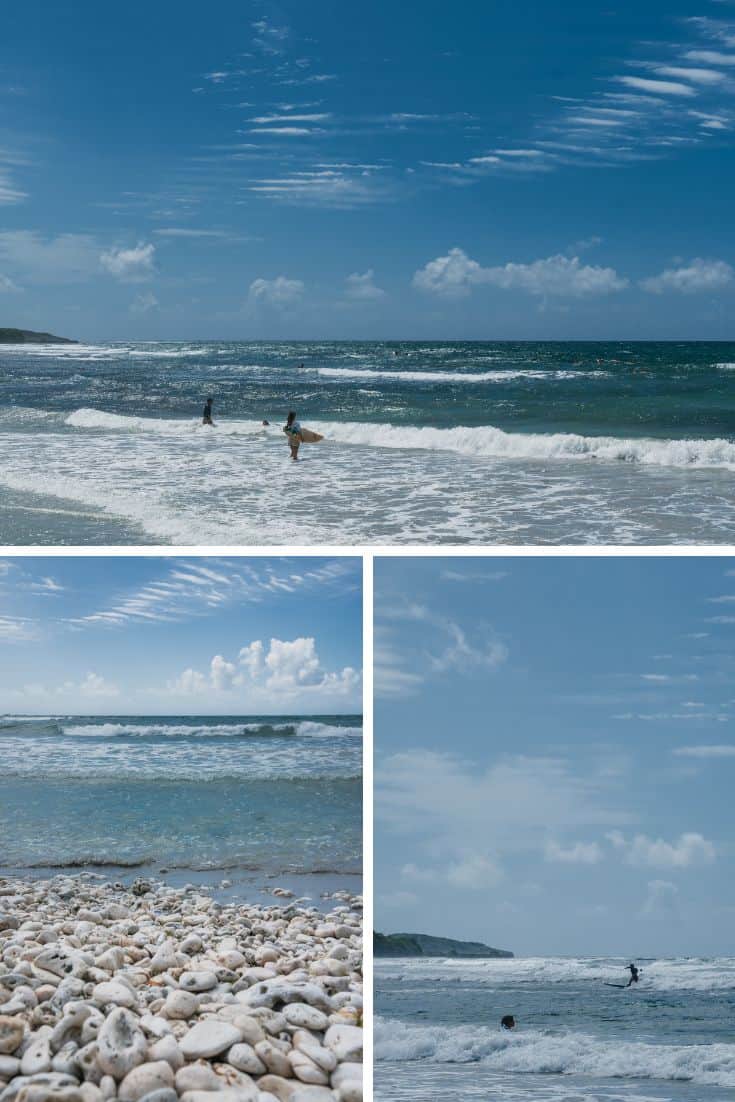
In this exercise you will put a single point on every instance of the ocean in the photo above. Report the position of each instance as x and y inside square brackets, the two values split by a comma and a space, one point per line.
[469, 443]
[257, 796]
[669, 1039]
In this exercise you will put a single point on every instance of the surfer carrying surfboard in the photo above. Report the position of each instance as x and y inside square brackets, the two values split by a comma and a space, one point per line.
[292, 429]
[298, 435]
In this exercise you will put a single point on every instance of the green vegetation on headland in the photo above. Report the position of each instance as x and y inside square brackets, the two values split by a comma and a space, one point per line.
[27, 336]
[423, 945]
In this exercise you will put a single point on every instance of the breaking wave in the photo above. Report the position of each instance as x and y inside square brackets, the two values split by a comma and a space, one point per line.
[483, 441]
[547, 1053]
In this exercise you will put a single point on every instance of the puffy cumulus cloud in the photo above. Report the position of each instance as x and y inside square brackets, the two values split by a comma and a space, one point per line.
[362, 288]
[580, 853]
[133, 265]
[283, 668]
[452, 275]
[688, 850]
[455, 274]
[698, 275]
[279, 292]
[95, 685]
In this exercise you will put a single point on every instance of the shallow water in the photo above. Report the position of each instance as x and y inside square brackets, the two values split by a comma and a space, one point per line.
[670, 1038]
[462, 443]
[266, 794]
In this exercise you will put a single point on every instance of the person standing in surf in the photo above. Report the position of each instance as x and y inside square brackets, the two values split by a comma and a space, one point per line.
[292, 429]
[207, 413]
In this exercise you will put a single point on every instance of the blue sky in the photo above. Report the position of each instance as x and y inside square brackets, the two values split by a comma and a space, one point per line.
[291, 170]
[555, 753]
[177, 636]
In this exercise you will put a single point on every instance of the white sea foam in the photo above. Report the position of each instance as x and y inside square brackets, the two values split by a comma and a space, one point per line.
[548, 1053]
[674, 974]
[457, 376]
[484, 441]
[116, 422]
[488, 442]
[304, 728]
[726, 367]
[367, 483]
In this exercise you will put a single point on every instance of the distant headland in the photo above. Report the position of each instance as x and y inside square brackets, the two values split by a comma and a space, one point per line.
[28, 336]
[424, 945]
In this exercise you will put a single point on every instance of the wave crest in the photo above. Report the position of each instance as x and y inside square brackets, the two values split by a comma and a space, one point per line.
[547, 1053]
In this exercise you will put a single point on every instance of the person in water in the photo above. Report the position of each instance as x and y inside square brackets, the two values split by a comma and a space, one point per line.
[292, 429]
[634, 975]
[507, 1022]
[207, 413]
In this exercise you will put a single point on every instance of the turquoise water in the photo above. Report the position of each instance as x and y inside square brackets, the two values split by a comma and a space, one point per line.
[266, 794]
[424, 442]
[670, 1039]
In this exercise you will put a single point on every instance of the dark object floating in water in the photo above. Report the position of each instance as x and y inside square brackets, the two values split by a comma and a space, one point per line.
[424, 945]
[28, 336]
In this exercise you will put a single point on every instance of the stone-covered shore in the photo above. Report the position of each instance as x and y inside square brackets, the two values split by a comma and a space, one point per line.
[154, 994]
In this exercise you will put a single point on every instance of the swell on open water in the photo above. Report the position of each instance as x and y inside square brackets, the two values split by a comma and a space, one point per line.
[670, 1039]
[549, 443]
[269, 794]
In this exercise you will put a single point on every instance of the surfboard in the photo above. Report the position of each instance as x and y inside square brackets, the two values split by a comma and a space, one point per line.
[309, 437]
[622, 986]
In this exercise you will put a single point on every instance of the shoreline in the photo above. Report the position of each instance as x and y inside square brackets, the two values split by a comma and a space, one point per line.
[147, 990]
[223, 885]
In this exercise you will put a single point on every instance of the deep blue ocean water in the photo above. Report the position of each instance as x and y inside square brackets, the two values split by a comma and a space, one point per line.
[630, 442]
[670, 1039]
[272, 795]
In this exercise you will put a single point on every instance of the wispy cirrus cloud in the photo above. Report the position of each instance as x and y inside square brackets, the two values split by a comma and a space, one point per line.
[190, 588]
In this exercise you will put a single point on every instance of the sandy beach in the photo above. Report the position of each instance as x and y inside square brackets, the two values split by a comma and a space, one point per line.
[145, 991]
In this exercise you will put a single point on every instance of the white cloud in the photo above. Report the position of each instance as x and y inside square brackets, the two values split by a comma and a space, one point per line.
[517, 802]
[475, 871]
[698, 76]
[689, 849]
[67, 258]
[580, 853]
[657, 87]
[418, 875]
[463, 656]
[326, 187]
[362, 287]
[265, 120]
[280, 292]
[456, 273]
[144, 304]
[282, 670]
[14, 629]
[95, 686]
[7, 285]
[133, 265]
[697, 275]
[9, 191]
[715, 751]
[661, 900]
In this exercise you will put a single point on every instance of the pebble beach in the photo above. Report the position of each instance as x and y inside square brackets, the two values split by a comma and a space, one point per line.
[155, 993]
